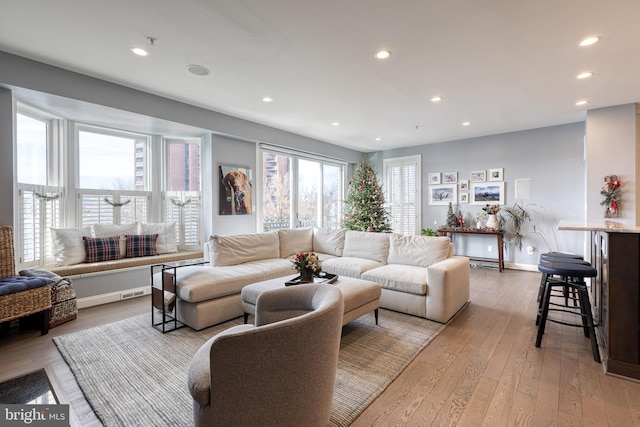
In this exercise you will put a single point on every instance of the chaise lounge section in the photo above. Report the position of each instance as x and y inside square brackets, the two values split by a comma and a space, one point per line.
[419, 275]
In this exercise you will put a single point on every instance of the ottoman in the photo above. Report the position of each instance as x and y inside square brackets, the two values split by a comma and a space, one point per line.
[360, 296]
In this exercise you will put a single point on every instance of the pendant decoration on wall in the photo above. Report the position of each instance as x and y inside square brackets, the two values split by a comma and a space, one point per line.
[611, 192]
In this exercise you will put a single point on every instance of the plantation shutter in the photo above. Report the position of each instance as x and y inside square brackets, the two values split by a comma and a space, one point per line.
[402, 182]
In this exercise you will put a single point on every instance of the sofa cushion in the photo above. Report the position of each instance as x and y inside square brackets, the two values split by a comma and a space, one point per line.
[397, 277]
[295, 240]
[422, 251]
[348, 266]
[361, 244]
[166, 232]
[233, 250]
[68, 246]
[329, 240]
[101, 248]
[196, 284]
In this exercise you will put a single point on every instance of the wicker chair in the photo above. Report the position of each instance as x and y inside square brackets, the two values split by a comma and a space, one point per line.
[23, 303]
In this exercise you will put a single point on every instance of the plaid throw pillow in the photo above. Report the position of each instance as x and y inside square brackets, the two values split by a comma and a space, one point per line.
[101, 248]
[141, 245]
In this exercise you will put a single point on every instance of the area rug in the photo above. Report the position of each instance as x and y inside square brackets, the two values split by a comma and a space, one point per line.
[131, 374]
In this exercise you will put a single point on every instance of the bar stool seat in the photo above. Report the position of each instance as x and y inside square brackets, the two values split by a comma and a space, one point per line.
[569, 276]
[551, 257]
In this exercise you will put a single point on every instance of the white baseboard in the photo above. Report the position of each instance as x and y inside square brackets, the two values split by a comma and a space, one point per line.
[113, 297]
[525, 267]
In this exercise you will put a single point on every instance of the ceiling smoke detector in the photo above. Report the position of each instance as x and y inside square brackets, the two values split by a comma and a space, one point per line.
[198, 70]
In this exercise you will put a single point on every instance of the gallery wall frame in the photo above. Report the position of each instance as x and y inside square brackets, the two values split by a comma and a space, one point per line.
[478, 176]
[487, 193]
[449, 177]
[434, 178]
[463, 198]
[443, 194]
[496, 174]
[463, 185]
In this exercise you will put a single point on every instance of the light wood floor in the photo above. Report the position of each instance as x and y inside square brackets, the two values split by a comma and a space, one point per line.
[483, 369]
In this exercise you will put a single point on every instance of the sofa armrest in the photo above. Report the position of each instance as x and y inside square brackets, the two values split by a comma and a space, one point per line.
[447, 287]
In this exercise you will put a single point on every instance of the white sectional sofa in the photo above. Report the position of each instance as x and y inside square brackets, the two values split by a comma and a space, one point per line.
[419, 275]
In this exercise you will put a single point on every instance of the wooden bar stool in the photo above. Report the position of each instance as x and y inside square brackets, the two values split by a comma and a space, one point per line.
[569, 276]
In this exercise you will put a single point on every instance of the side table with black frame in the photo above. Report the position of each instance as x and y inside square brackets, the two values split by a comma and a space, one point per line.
[163, 298]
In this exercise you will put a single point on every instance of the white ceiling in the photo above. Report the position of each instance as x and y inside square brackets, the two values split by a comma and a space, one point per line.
[503, 65]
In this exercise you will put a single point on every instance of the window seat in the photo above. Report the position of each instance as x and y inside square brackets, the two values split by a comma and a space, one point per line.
[104, 266]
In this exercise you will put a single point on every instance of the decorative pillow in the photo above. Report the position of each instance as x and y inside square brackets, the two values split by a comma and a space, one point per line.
[363, 244]
[166, 236]
[109, 230]
[68, 247]
[141, 245]
[295, 240]
[101, 248]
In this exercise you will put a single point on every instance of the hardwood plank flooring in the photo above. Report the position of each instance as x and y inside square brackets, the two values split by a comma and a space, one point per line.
[483, 369]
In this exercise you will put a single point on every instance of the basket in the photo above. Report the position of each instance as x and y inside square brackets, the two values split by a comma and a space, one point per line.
[64, 306]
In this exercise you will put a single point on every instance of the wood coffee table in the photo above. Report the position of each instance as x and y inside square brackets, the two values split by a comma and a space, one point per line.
[360, 296]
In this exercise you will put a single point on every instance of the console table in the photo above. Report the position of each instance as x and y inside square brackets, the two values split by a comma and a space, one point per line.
[499, 233]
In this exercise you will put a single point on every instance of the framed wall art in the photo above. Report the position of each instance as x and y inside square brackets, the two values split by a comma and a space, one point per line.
[496, 174]
[235, 195]
[449, 177]
[489, 193]
[463, 198]
[464, 185]
[434, 178]
[478, 176]
[443, 194]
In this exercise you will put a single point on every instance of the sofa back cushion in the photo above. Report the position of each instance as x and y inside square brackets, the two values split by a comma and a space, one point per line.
[166, 231]
[422, 251]
[361, 244]
[295, 240]
[110, 230]
[232, 250]
[329, 241]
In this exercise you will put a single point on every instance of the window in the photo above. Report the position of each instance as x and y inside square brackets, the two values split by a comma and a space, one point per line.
[182, 198]
[39, 195]
[300, 191]
[112, 177]
[402, 187]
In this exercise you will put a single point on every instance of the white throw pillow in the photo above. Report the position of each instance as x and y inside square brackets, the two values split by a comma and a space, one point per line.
[109, 230]
[295, 240]
[328, 241]
[241, 248]
[68, 246]
[422, 251]
[166, 232]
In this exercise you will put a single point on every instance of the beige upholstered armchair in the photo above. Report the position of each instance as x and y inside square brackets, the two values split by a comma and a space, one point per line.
[280, 372]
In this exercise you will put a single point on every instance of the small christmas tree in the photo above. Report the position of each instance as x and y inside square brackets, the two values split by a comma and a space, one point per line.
[364, 206]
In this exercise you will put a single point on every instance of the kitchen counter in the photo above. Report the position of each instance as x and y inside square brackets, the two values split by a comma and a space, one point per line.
[615, 292]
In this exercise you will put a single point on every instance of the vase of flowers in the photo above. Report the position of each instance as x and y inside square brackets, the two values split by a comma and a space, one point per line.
[307, 264]
[611, 192]
[492, 218]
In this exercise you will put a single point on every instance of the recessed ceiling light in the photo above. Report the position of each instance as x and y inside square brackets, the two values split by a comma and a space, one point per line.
[584, 75]
[589, 41]
[139, 51]
[198, 70]
[436, 99]
[466, 123]
[378, 139]
[582, 102]
[267, 99]
[335, 124]
[383, 54]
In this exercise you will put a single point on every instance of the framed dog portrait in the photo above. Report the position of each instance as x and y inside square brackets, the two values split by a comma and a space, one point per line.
[236, 192]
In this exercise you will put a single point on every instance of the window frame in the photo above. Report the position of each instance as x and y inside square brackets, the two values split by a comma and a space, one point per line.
[403, 162]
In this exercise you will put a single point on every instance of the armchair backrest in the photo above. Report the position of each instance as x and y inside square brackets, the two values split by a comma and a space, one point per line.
[282, 372]
[7, 256]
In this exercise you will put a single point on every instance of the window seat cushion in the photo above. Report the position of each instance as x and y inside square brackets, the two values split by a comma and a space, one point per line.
[103, 266]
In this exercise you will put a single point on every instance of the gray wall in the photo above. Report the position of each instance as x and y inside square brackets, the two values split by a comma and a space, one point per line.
[6, 157]
[551, 157]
